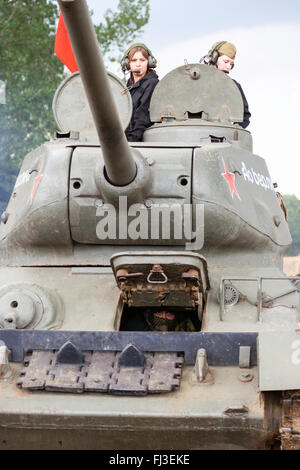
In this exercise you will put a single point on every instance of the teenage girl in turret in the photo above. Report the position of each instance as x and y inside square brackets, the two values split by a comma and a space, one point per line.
[140, 62]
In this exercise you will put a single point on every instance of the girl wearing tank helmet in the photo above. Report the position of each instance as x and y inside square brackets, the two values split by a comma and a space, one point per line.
[222, 55]
[140, 62]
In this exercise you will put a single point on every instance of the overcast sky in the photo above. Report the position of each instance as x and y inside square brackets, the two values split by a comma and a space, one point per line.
[267, 36]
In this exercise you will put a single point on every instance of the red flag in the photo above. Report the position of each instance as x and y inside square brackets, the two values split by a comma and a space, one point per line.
[63, 48]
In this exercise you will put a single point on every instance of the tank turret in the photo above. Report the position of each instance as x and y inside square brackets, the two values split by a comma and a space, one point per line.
[150, 268]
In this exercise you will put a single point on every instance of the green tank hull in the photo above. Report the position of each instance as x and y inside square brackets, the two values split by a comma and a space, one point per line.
[142, 299]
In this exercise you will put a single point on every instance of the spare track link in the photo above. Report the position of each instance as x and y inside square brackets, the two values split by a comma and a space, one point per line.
[290, 430]
[101, 373]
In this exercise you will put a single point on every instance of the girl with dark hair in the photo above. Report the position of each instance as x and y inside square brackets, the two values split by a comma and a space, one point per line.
[139, 61]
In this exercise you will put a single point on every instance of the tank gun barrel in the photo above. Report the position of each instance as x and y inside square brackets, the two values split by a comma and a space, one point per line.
[119, 162]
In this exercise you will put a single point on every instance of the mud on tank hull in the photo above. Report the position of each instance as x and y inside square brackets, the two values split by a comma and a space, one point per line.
[226, 410]
[194, 417]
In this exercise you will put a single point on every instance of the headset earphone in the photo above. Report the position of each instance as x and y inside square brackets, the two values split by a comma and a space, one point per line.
[125, 65]
[214, 54]
[212, 57]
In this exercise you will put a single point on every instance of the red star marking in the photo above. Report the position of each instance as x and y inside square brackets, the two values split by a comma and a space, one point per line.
[35, 185]
[230, 178]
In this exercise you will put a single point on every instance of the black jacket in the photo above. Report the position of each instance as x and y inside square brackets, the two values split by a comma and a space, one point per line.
[141, 93]
[247, 113]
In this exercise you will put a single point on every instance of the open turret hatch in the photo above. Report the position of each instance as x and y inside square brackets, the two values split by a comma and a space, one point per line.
[195, 91]
[160, 291]
[72, 112]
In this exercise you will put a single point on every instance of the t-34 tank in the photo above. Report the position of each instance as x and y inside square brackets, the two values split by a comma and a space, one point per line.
[142, 284]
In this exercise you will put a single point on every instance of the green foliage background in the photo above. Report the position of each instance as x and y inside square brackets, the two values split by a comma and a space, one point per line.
[32, 72]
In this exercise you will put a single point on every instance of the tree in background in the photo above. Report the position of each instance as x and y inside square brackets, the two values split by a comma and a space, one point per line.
[32, 72]
[122, 26]
[293, 211]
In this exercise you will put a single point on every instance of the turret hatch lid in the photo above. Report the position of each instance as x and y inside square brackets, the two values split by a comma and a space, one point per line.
[197, 91]
[71, 109]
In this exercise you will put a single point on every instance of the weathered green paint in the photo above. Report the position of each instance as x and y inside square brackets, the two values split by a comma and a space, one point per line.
[196, 88]
[196, 414]
[71, 109]
[279, 367]
[49, 240]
